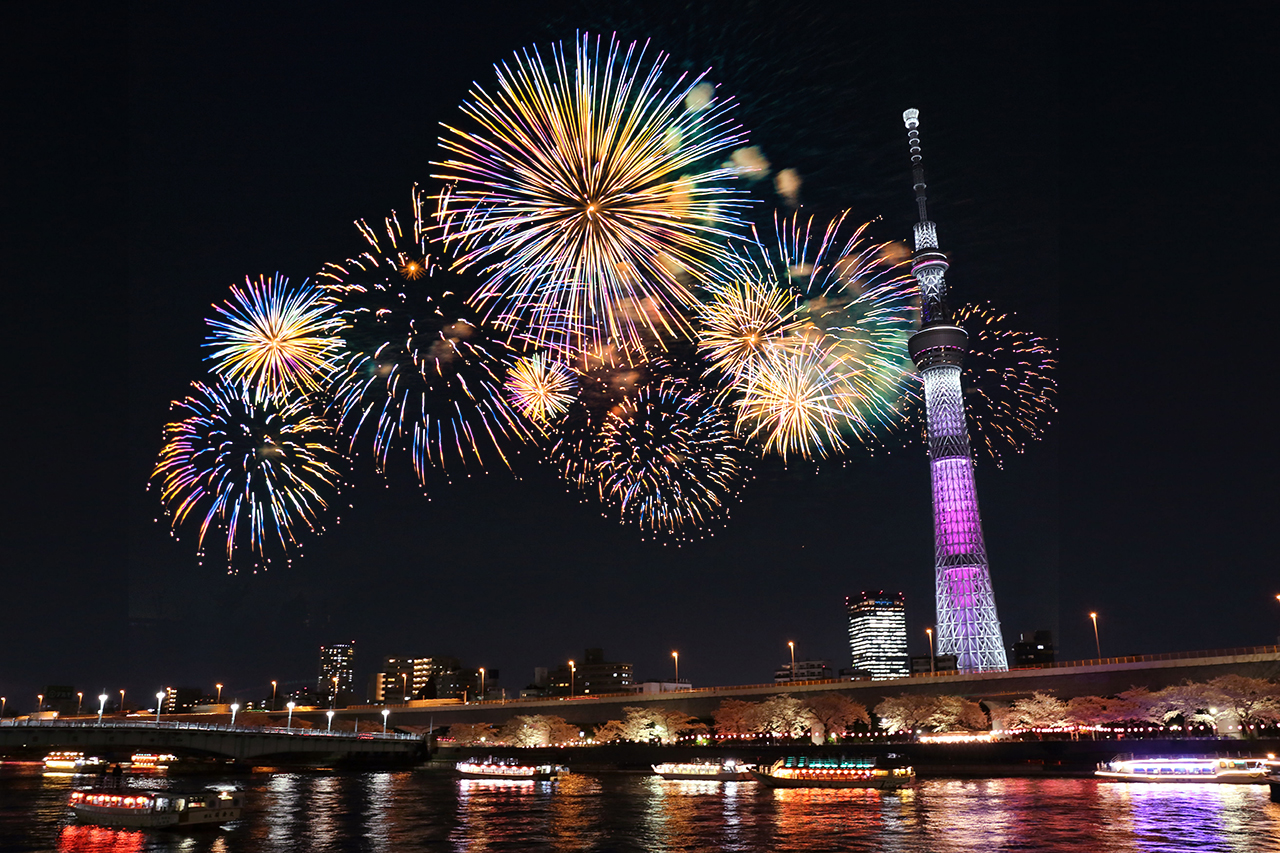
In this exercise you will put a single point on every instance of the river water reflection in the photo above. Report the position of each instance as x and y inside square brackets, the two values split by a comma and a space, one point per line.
[417, 811]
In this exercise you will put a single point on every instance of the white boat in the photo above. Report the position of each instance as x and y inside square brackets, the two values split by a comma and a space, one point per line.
[71, 762]
[1211, 769]
[726, 770]
[136, 807]
[509, 768]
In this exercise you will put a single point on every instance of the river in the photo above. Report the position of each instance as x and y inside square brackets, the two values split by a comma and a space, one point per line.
[419, 811]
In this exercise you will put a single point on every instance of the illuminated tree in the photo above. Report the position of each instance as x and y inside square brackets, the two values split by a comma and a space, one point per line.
[735, 717]
[537, 730]
[955, 713]
[1039, 711]
[834, 714]
[908, 713]
[1251, 701]
[783, 715]
[643, 725]
[467, 734]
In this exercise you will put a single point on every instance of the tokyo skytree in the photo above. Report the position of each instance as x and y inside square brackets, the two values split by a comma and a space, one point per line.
[967, 623]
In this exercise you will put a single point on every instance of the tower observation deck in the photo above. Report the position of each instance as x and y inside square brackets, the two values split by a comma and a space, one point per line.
[968, 626]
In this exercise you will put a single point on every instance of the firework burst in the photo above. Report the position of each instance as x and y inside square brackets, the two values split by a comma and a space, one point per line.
[1008, 383]
[581, 195]
[811, 330]
[669, 459]
[416, 369]
[541, 388]
[605, 377]
[272, 337]
[261, 471]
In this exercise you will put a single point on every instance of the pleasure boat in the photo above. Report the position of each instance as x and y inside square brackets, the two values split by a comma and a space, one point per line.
[1214, 769]
[820, 772]
[135, 807]
[71, 762]
[508, 768]
[725, 770]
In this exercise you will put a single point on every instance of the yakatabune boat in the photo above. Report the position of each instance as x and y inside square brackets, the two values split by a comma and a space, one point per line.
[801, 771]
[509, 768]
[1205, 769]
[136, 807]
[726, 770]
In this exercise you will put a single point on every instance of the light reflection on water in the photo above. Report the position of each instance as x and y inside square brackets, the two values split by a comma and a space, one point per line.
[407, 812]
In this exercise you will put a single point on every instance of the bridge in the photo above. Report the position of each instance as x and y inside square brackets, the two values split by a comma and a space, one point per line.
[117, 740]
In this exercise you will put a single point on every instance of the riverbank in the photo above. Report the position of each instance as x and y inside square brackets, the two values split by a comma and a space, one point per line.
[1049, 758]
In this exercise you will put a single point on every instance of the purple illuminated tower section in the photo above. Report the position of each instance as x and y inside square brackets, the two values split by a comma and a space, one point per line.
[967, 623]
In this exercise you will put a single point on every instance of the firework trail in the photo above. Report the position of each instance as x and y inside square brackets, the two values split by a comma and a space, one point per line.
[260, 471]
[272, 337]
[669, 459]
[416, 370]
[541, 388]
[811, 331]
[582, 196]
[1008, 383]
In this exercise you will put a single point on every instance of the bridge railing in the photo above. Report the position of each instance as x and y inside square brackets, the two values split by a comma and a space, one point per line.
[179, 725]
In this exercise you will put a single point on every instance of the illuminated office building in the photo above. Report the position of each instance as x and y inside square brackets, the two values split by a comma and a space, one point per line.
[878, 634]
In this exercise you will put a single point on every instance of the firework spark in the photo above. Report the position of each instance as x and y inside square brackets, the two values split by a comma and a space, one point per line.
[416, 368]
[541, 388]
[583, 197]
[669, 459]
[1008, 382]
[259, 470]
[272, 337]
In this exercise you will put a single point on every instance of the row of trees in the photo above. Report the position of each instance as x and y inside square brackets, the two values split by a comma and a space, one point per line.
[1229, 700]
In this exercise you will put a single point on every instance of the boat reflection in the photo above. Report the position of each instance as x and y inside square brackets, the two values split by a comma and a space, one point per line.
[84, 838]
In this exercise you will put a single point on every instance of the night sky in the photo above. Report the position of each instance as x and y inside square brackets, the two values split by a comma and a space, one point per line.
[1109, 179]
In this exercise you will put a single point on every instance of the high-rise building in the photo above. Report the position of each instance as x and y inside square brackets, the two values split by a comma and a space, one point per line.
[878, 634]
[408, 678]
[1033, 648]
[968, 626]
[337, 660]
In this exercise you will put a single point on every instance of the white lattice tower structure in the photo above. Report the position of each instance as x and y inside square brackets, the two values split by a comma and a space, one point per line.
[968, 626]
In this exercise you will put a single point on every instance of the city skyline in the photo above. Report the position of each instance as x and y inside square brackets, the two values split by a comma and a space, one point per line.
[196, 161]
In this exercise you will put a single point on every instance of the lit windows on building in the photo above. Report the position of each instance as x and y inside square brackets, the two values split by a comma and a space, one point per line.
[337, 660]
[878, 634]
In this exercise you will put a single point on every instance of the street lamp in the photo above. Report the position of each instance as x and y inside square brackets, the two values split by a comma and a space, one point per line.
[329, 714]
[482, 683]
[793, 659]
[676, 656]
[385, 713]
[573, 673]
[1097, 644]
[929, 631]
[289, 720]
[4, 700]
[273, 695]
[219, 699]
[122, 703]
[333, 696]
[79, 701]
[159, 705]
[404, 686]
[39, 702]
[235, 706]
[102, 706]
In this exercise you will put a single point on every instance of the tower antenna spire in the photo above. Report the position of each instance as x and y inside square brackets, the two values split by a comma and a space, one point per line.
[968, 626]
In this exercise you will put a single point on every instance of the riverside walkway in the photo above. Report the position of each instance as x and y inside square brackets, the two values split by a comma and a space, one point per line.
[245, 744]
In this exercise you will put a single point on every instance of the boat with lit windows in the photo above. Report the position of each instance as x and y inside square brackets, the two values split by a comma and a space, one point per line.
[71, 762]
[508, 768]
[802, 771]
[1215, 769]
[148, 762]
[140, 808]
[725, 770]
